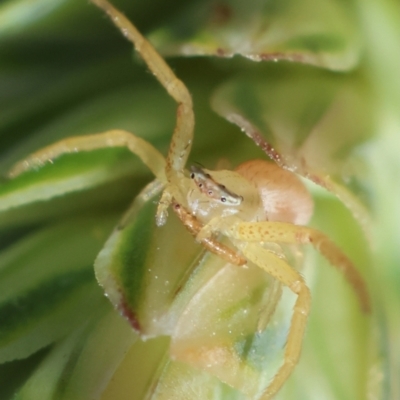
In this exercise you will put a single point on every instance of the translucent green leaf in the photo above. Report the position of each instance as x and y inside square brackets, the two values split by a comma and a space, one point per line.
[312, 122]
[323, 33]
[217, 329]
[71, 173]
[139, 372]
[136, 271]
[47, 285]
[146, 371]
[180, 381]
[77, 367]
[179, 299]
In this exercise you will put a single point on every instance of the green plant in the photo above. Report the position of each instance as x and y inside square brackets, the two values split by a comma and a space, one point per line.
[339, 115]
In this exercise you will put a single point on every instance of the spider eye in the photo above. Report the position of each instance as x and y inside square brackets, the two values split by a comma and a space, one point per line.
[192, 175]
[223, 199]
[200, 185]
[210, 192]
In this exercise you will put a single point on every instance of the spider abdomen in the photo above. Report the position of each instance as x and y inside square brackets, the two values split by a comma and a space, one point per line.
[283, 195]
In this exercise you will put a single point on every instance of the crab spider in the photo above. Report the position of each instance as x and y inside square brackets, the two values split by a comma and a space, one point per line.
[255, 204]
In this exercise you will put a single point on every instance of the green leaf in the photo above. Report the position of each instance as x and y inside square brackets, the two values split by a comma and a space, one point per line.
[217, 328]
[71, 173]
[123, 108]
[136, 271]
[48, 90]
[325, 34]
[75, 368]
[19, 14]
[45, 292]
[312, 122]
[178, 298]
[13, 374]
[340, 347]
[102, 174]
[180, 381]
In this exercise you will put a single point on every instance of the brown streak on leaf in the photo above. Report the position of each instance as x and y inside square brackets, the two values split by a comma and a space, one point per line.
[127, 313]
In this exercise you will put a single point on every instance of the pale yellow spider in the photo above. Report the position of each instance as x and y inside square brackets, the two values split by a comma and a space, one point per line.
[255, 204]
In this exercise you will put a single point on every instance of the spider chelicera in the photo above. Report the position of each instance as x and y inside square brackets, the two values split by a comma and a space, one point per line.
[257, 203]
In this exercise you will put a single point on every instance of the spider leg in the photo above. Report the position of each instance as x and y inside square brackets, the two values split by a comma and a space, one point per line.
[282, 232]
[216, 224]
[211, 244]
[150, 156]
[284, 273]
[182, 137]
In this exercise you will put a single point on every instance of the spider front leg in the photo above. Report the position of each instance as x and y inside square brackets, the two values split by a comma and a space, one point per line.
[150, 156]
[215, 225]
[211, 244]
[281, 232]
[284, 273]
[227, 225]
[182, 137]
